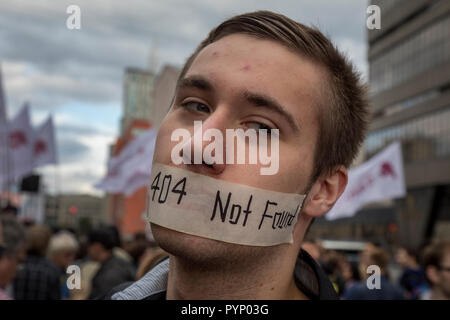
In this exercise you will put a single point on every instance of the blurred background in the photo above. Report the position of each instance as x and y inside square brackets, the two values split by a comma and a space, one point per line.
[73, 103]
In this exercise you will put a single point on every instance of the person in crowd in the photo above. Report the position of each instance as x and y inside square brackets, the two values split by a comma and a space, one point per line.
[12, 252]
[436, 263]
[9, 210]
[364, 258]
[386, 290]
[313, 248]
[113, 270]
[139, 248]
[331, 263]
[412, 279]
[149, 259]
[117, 250]
[38, 278]
[350, 274]
[88, 268]
[61, 252]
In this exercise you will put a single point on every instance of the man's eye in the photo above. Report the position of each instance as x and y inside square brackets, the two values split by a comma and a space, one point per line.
[258, 125]
[195, 106]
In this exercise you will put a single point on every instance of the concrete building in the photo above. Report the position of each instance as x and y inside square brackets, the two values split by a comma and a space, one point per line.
[76, 211]
[409, 77]
[146, 101]
[163, 93]
[409, 63]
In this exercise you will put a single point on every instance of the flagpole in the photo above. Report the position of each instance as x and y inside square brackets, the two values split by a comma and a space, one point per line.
[57, 201]
[4, 123]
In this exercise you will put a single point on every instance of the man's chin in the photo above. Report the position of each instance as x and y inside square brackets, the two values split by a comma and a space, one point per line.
[199, 250]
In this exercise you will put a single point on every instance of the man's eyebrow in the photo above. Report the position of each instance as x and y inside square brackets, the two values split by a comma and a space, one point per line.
[262, 100]
[257, 99]
[197, 82]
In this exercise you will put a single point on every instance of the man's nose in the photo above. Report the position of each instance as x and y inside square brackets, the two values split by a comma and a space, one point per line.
[209, 135]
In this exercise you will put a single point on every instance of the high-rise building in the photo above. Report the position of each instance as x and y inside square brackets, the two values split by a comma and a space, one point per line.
[137, 96]
[163, 93]
[77, 211]
[146, 100]
[409, 77]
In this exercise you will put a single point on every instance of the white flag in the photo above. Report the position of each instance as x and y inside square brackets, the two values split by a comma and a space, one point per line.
[132, 166]
[44, 147]
[19, 137]
[3, 138]
[378, 179]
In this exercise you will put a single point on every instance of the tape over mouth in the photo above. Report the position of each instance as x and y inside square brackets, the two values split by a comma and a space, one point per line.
[199, 205]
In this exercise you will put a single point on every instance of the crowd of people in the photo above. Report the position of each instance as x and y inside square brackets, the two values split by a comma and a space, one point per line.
[404, 273]
[34, 261]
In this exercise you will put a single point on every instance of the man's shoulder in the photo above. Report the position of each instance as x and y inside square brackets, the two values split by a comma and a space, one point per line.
[152, 286]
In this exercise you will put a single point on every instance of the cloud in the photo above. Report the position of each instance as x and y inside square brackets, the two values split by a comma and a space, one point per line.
[71, 150]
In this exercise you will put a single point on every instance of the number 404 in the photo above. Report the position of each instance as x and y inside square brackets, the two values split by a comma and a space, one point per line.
[178, 188]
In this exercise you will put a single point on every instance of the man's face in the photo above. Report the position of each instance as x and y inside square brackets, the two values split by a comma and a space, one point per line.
[94, 251]
[9, 264]
[231, 82]
[63, 259]
[402, 257]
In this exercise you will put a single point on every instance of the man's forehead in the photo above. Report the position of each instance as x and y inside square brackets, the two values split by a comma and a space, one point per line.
[264, 65]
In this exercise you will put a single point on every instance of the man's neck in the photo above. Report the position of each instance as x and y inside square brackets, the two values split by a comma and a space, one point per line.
[268, 280]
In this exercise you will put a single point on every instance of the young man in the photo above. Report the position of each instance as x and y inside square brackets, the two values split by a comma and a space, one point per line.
[38, 278]
[387, 290]
[260, 70]
[113, 270]
[412, 279]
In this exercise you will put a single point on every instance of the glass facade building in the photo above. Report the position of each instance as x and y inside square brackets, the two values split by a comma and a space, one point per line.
[137, 96]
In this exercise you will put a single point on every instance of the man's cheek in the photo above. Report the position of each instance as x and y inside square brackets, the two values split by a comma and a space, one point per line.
[164, 144]
[162, 148]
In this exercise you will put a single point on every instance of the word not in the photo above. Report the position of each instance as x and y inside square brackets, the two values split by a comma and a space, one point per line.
[74, 280]
[246, 309]
[374, 20]
[234, 211]
[74, 20]
[374, 280]
[198, 310]
[213, 152]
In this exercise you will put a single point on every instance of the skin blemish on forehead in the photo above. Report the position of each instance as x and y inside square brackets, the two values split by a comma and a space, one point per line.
[245, 68]
[215, 54]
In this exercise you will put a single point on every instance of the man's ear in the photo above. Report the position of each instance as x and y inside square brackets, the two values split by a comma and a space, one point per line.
[325, 192]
